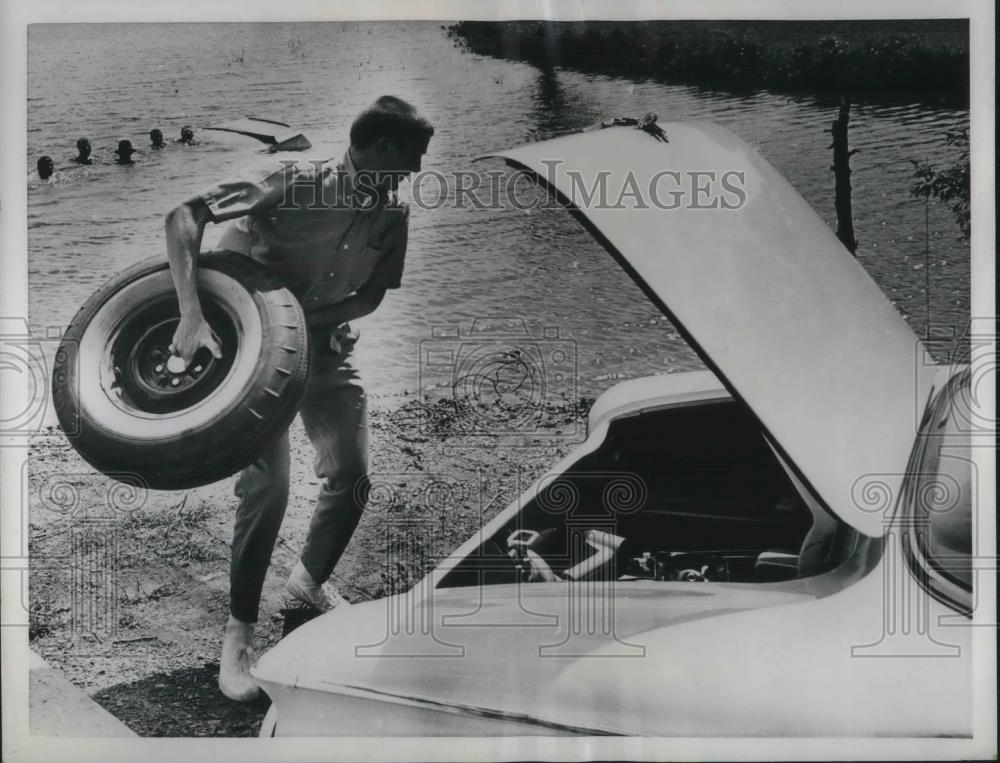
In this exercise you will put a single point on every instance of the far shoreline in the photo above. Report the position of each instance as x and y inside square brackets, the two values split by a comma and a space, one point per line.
[885, 61]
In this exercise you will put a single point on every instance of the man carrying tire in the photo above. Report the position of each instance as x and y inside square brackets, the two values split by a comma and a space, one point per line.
[335, 236]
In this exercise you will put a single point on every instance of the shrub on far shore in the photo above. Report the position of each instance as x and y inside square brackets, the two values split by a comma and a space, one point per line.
[950, 185]
[910, 59]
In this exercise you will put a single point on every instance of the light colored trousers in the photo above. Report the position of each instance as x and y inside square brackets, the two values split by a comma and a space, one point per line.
[334, 412]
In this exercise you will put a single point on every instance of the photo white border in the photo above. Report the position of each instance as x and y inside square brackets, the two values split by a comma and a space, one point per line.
[15, 15]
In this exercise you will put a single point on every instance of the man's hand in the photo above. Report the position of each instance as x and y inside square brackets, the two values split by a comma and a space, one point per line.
[193, 333]
[341, 334]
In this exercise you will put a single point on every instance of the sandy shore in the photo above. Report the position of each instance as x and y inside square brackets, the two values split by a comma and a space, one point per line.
[128, 593]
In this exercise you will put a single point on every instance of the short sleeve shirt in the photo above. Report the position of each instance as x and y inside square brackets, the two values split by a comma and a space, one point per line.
[316, 230]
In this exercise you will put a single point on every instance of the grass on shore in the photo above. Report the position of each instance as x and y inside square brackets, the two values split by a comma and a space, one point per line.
[130, 605]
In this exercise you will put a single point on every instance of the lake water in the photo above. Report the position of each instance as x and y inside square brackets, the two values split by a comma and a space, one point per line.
[114, 81]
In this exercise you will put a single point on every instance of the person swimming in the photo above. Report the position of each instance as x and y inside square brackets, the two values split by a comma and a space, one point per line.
[46, 167]
[187, 136]
[156, 138]
[123, 154]
[83, 152]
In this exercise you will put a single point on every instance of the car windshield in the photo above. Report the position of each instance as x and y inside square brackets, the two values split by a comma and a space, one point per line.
[941, 496]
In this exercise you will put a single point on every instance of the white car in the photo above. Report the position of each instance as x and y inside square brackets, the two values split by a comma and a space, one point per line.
[778, 546]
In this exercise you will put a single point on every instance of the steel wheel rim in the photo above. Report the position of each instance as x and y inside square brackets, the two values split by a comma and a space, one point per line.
[99, 372]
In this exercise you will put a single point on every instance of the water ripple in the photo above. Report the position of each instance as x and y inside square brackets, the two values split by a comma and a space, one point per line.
[109, 81]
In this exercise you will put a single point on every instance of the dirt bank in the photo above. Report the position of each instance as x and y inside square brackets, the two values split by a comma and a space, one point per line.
[129, 590]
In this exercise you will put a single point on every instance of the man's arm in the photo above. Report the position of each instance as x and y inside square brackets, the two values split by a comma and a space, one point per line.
[263, 188]
[364, 301]
[185, 226]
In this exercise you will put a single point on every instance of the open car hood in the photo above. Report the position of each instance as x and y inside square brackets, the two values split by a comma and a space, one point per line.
[763, 291]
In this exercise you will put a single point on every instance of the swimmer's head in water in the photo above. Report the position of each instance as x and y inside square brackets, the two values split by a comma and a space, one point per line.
[156, 138]
[187, 134]
[46, 167]
[82, 150]
[123, 154]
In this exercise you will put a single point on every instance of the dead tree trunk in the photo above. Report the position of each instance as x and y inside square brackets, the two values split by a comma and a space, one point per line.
[842, 177]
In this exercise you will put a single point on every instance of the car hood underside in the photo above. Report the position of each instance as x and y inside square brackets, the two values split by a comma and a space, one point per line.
[762, 290]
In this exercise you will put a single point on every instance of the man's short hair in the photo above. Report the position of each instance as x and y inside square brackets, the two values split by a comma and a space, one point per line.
[393, 118]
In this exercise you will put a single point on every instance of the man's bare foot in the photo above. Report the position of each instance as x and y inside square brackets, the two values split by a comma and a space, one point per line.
[304, 589]
[237, 657]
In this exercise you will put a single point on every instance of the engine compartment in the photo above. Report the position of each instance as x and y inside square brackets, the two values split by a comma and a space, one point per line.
[686, 493]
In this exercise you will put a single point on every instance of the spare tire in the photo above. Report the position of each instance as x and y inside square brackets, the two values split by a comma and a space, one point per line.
[128, 413]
